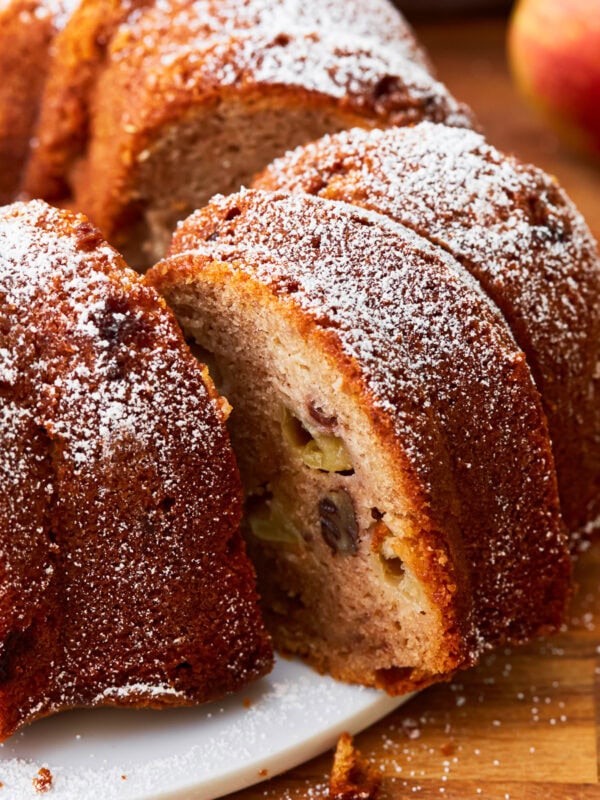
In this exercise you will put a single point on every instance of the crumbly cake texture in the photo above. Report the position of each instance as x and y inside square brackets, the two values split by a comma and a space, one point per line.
[187, 99]
[27, 29]
[517, 233]
[124, 578]
[438, 533]
[352, 776]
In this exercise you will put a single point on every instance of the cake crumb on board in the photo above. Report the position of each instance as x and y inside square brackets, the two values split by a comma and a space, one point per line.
[352, 777]
[43, 780]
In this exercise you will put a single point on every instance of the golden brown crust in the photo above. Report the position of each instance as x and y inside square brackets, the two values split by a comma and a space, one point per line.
[125, 580]
[80, 51]
[27, 29]
[438, 557]
[67, 114]
[476, 460]
[515, 230]
[147, 82]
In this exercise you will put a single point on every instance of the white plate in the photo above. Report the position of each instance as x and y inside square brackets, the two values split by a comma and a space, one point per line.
[190, 753]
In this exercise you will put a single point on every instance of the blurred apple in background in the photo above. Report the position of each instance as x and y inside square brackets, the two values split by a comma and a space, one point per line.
[554, 51]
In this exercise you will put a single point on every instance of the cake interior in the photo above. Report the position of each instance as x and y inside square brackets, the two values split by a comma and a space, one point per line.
[326, 521]
[214, 150]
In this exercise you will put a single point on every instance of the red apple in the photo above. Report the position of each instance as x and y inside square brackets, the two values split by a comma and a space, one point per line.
[554, 50]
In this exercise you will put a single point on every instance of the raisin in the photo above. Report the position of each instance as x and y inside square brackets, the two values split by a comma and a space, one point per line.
[339, 527]
[317, 413]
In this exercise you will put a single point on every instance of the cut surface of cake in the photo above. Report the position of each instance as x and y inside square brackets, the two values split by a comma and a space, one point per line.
[517, 233]
[183, 100]
[401, 502]
[124, 578]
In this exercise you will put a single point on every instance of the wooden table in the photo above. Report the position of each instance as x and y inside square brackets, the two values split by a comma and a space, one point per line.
[524, 725]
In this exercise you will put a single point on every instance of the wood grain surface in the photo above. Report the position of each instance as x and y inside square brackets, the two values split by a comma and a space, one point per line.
[524, 725]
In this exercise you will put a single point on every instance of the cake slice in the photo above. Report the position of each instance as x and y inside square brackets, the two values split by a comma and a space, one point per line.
[124, 578]
[514, 229]
[27, 31]
[401, 503]
[184, 100]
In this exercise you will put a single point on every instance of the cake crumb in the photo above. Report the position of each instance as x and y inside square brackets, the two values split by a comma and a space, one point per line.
[352, 778]
[263, 773]
[43, 781]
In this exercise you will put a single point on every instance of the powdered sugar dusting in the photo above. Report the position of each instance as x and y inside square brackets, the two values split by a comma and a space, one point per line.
[515, 230]
[61, 10]
[434, 353]
[203, 20]
[272, 726]
[161, 45]
[121, 492]
[480, 204]
[374, 80]
[145, 690]
[331, 48]
[58, 11]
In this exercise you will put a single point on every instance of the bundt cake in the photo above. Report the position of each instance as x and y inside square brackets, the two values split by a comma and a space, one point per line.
[27, 29]
[124, 578]
[404, 376]
[401, 499]
[183, 99]
[516, 232]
